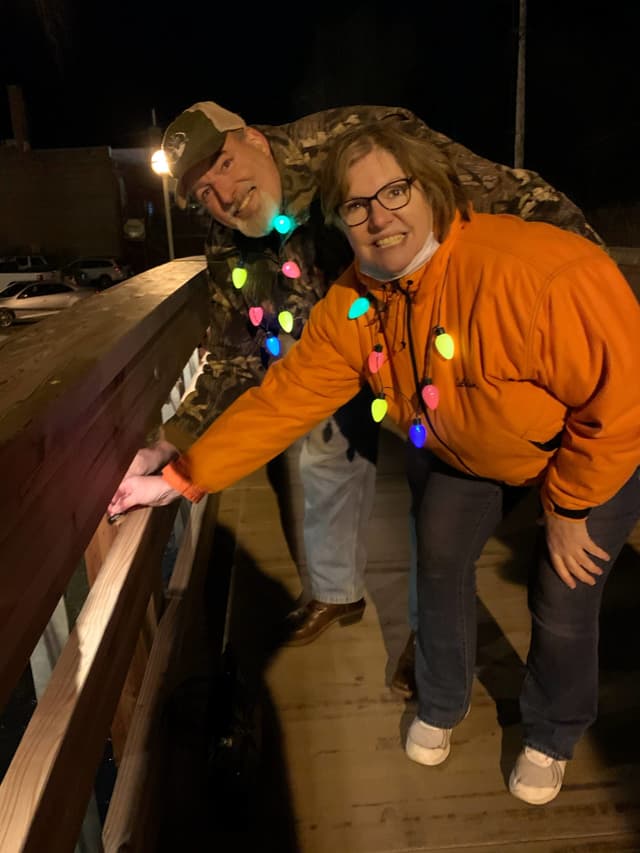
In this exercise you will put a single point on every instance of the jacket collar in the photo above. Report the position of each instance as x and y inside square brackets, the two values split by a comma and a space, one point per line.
[299, 184]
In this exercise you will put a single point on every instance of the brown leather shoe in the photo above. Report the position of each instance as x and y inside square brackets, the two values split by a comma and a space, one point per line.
[404, 678]
[308, 622]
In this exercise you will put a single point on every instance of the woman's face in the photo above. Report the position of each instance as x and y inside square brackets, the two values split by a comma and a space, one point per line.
[389, 239]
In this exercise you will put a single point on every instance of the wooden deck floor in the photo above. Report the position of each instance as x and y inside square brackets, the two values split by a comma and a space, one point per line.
[333, 776]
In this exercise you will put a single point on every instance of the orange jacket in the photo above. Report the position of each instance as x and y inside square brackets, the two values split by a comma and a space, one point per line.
[547, 346]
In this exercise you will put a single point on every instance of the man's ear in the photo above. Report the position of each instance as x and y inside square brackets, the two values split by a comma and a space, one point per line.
[258, 139]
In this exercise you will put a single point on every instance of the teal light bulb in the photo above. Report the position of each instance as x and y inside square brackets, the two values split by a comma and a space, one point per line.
[282, 223]
[359, 307]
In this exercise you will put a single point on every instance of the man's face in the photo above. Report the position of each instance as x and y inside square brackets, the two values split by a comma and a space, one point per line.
[242, 188]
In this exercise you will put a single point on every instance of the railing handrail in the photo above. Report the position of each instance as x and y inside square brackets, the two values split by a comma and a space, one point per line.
[78, 395]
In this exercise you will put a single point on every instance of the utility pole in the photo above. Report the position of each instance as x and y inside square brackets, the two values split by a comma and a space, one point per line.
[518, 153]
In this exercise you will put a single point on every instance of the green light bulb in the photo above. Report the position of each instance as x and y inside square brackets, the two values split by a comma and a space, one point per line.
[444, 343]
[379, 409]
[285, 318]
[239, 277]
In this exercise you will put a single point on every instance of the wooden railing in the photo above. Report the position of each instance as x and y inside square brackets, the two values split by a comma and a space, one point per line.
[79, 394]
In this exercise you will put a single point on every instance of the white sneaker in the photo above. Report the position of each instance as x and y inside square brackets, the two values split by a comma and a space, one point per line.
[427, 744]
[536, 777]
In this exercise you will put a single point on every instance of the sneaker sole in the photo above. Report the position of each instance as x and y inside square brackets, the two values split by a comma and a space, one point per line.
[532, 800]
[428, 757]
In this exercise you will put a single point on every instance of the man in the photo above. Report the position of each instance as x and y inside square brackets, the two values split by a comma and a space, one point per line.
[244, 177]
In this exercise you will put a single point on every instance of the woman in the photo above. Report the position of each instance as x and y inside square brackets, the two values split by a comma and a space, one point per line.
[507, 351]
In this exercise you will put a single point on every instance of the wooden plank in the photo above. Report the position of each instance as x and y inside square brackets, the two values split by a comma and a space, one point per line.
[44, 794]
[123, 716]
[134, 819]
[98, 548]
[77, 397]
[94, 557]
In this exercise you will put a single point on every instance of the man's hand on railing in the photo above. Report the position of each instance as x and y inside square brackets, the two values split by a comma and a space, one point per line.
[138, 491]
[151, 459]
[147, 461]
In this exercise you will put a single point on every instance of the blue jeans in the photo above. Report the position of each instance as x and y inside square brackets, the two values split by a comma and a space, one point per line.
[456, 514]
[412, 590]
[338, 472]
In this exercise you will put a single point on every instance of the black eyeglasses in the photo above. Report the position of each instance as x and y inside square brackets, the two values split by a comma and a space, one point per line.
[391, 196]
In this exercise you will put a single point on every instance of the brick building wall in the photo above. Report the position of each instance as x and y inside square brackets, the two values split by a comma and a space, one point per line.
[74, 201]
[61, 202]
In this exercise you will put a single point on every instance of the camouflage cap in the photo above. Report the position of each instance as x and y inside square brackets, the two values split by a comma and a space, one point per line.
[196, 134]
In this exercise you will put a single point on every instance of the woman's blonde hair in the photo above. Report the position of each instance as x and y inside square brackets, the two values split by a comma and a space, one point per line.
[417, 157]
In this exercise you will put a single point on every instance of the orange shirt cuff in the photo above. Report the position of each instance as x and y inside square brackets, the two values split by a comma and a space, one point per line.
[177, 478]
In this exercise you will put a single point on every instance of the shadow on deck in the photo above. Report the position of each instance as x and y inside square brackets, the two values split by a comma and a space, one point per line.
[305, 751]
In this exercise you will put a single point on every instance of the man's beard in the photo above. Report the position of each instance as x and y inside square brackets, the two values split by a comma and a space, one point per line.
[261, 222]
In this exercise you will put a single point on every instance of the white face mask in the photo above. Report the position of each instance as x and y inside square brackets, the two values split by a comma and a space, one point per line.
[425, 254]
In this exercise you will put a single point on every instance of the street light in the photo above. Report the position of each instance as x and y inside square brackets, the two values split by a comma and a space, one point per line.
[161, 167]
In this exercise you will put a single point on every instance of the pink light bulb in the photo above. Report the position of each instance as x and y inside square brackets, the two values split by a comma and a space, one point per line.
[256, 314]
[291, 269]
[376, 359]
[431, 396]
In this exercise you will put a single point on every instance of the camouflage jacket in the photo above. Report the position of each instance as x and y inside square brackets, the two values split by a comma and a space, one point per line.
[237, 357]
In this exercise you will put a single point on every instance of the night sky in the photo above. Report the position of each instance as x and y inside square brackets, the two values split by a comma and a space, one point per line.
[92, 73]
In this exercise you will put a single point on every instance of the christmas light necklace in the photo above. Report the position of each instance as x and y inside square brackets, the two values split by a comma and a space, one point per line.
[284, 225]
[428, 394]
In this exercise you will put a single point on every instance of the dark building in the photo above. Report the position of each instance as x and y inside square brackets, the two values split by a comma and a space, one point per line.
[87, 201]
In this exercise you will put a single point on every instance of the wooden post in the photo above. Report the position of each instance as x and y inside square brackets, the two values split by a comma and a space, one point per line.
[518, 156]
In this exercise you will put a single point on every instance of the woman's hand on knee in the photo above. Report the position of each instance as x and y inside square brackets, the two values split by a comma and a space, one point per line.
[571, 550]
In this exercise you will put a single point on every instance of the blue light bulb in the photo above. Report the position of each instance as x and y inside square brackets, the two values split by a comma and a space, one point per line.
[417, 434]
[272, 343]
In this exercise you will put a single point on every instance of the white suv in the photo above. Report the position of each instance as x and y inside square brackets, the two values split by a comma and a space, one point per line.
[29, 263]
[100, 272]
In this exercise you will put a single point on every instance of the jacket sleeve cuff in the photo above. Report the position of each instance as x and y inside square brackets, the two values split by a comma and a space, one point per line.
[574, 514]
[552, 508]
[176, 476]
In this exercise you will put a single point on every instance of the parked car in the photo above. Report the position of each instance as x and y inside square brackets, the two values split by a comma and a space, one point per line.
[10, 271]
[101, 272]
[32, 300]
[28, 263]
